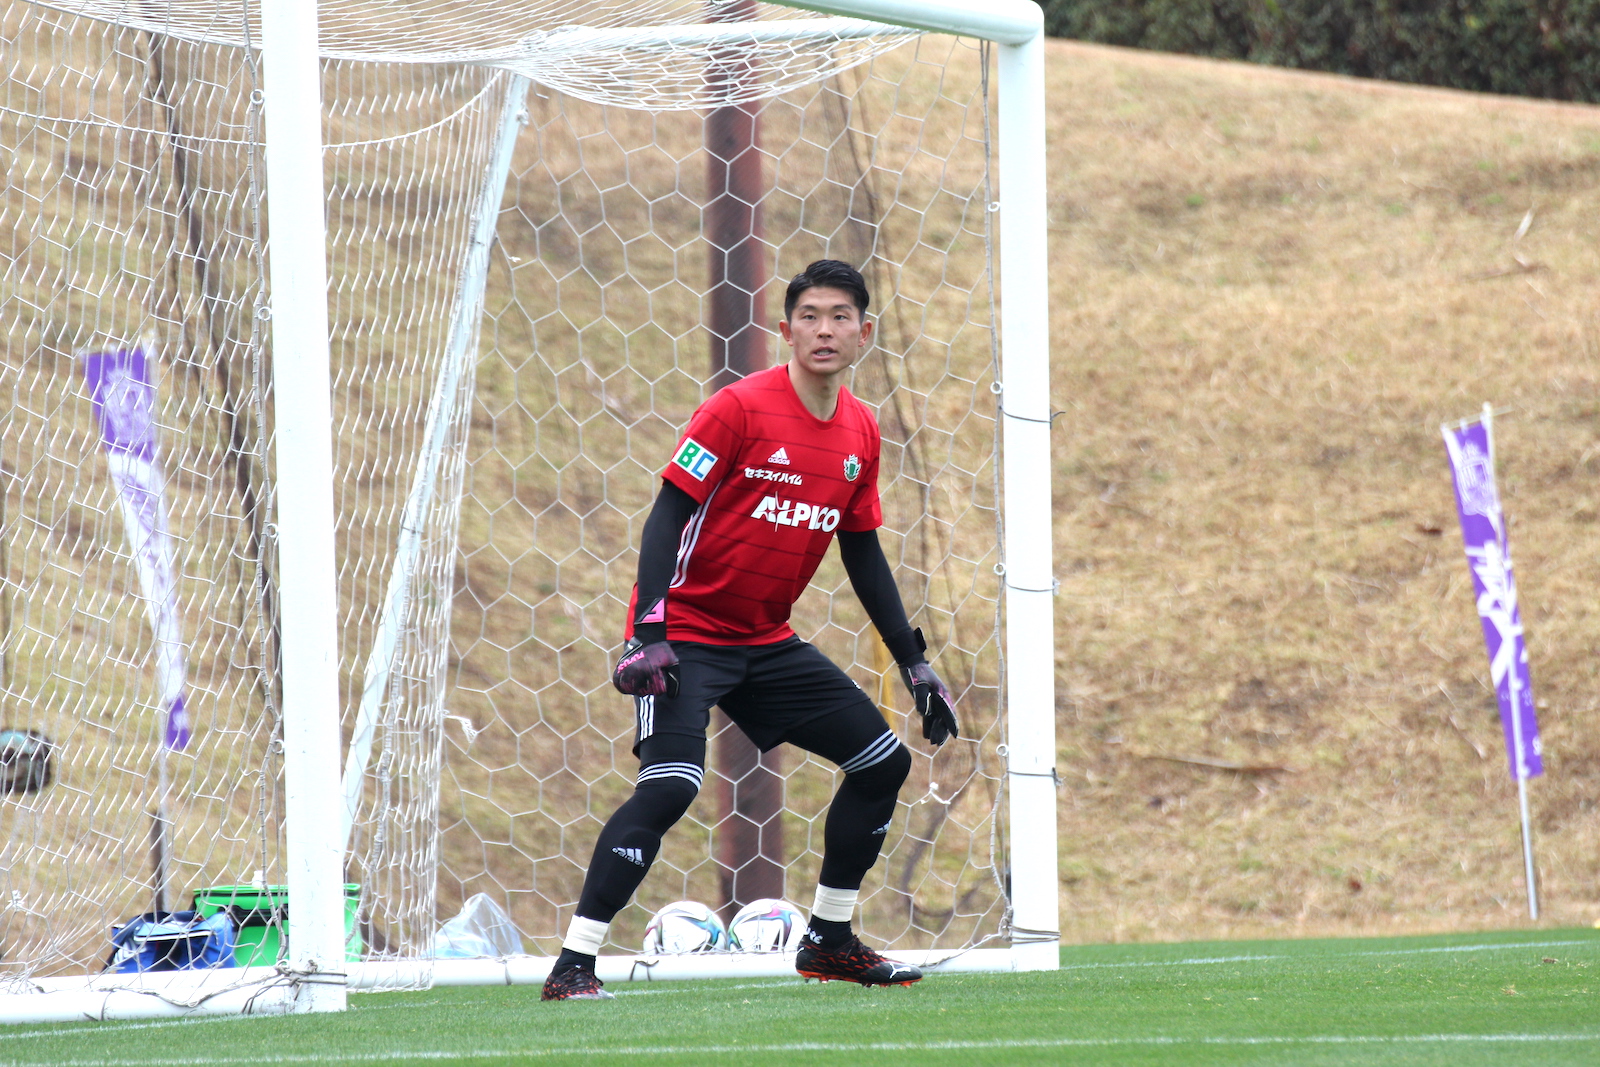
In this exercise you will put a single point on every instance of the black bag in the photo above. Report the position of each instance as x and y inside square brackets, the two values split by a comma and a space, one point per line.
[24, 761]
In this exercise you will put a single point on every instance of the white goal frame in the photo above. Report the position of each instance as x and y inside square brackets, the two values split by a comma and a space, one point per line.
[316, 843]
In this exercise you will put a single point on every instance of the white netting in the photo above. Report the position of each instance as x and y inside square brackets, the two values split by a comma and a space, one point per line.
[629, 54]
[135, 215]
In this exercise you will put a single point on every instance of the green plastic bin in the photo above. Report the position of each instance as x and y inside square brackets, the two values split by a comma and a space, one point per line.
[261, 919]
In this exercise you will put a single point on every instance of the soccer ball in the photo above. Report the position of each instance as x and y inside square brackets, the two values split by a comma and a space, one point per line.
[685, 926]
[767, 925]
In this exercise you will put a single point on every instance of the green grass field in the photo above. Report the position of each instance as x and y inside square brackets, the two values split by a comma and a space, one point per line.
[1459, 999]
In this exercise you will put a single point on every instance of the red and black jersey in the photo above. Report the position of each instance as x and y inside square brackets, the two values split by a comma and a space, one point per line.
[773, 483]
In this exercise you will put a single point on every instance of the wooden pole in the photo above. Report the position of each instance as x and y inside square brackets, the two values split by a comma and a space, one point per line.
[750, 787]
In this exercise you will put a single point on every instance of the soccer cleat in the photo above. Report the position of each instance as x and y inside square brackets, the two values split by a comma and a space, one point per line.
[853, 962]
[574, 983]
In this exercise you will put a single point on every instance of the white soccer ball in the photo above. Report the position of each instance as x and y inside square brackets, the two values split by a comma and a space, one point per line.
[685, 926]
[767, 925]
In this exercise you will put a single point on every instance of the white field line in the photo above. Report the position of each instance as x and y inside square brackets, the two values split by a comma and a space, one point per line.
[682, 987]
[431, 1055]
[1201, 960]
[117, 1027]
[95, 1027]
[1595, 943]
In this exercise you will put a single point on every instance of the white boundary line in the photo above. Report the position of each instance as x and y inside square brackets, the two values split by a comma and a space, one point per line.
[424, 1056]
[1201, 960]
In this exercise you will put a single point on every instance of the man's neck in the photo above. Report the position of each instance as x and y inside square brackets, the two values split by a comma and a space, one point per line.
[819, 394]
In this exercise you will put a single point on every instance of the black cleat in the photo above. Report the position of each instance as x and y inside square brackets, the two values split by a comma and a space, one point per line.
[574, 983]
[853, 962]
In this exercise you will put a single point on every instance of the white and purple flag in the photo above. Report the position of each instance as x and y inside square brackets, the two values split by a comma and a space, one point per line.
[1483, 529]
[123, 392]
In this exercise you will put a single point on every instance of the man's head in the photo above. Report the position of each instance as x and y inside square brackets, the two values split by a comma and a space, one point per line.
[824, 322]
[831, 274]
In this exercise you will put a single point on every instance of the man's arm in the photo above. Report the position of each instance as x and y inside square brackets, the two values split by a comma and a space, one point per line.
[874, 586]
[658, 558]
[648, 666]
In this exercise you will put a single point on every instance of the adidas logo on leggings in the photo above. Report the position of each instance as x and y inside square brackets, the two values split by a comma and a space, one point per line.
[632, 855]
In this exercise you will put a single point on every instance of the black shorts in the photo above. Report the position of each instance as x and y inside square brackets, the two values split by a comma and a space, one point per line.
[770, 692]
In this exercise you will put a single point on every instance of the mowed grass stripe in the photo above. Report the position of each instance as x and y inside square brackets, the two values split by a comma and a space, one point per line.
[1449, 1000]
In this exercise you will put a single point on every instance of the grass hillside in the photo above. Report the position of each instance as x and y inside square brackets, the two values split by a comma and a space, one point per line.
[1270, 289]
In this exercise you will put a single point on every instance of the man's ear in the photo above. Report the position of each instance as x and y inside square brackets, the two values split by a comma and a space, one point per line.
[783, 329]
[866, 333]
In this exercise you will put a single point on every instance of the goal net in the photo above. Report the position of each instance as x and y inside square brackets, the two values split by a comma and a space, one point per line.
[552, 231]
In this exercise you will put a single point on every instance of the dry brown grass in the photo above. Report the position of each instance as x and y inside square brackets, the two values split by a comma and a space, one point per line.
[1270, 289]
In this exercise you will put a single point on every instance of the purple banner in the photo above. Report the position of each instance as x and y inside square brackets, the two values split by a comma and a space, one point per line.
[123, 392]
[1483, 530]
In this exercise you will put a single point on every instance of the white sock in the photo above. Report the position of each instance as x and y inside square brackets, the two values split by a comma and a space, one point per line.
[834, 905]
[585, 935]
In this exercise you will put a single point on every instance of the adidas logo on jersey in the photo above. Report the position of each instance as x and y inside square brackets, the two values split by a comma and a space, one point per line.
[796, 513]
[779, 458]
[882, 829]
[632, 855]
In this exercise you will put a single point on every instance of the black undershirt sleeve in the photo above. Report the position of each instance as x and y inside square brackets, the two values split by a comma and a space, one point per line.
[873, 583]
[658, 555]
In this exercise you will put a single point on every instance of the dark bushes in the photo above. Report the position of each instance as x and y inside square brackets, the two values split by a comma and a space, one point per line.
[1545, 48]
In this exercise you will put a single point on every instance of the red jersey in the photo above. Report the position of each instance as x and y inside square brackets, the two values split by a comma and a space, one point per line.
[773, 482]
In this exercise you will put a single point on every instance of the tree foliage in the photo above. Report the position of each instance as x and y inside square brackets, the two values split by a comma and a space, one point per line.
[1543, 48]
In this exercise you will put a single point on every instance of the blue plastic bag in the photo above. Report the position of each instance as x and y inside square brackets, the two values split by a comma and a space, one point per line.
[172, 941]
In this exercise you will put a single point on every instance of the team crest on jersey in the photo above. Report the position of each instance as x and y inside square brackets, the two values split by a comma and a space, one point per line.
[696, 459]
[852, 467]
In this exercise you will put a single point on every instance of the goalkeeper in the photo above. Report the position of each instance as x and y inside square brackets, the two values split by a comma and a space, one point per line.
[769, 469]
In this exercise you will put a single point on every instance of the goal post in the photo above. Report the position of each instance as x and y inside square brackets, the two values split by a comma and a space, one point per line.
[411, 442]
[308, 600]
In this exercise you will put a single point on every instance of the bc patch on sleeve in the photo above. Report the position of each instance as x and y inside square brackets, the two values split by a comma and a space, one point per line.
[695, 458]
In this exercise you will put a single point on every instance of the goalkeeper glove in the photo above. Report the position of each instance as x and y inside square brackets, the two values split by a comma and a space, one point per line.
[646, 670]
[934, 702]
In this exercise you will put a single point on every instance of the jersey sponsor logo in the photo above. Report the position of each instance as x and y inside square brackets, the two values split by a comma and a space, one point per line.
[852, 467]
[695, 458]
[780, 458]
[796, 513]
[772, 476]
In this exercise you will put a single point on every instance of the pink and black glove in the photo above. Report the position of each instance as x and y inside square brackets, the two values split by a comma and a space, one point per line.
[932, 696]
[934, 702]
[646, 670]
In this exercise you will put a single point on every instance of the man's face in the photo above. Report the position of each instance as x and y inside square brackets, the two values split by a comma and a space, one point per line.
[826, 331]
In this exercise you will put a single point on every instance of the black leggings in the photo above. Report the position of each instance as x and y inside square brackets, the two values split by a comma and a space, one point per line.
[671, 767]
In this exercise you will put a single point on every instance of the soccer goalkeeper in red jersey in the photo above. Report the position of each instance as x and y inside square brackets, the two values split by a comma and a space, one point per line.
[769, 471]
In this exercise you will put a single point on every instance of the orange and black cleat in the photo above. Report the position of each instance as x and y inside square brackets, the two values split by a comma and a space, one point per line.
[853, 962]
[574, 983]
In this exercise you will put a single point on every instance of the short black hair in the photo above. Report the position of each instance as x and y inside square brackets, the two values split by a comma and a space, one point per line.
[830, 273]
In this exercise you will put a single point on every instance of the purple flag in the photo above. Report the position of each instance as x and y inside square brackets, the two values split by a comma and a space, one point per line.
[124, 398]
[1483, 529]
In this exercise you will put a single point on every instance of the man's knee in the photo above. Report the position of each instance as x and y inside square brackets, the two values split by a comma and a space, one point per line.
[884, 776]
[664, 792]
